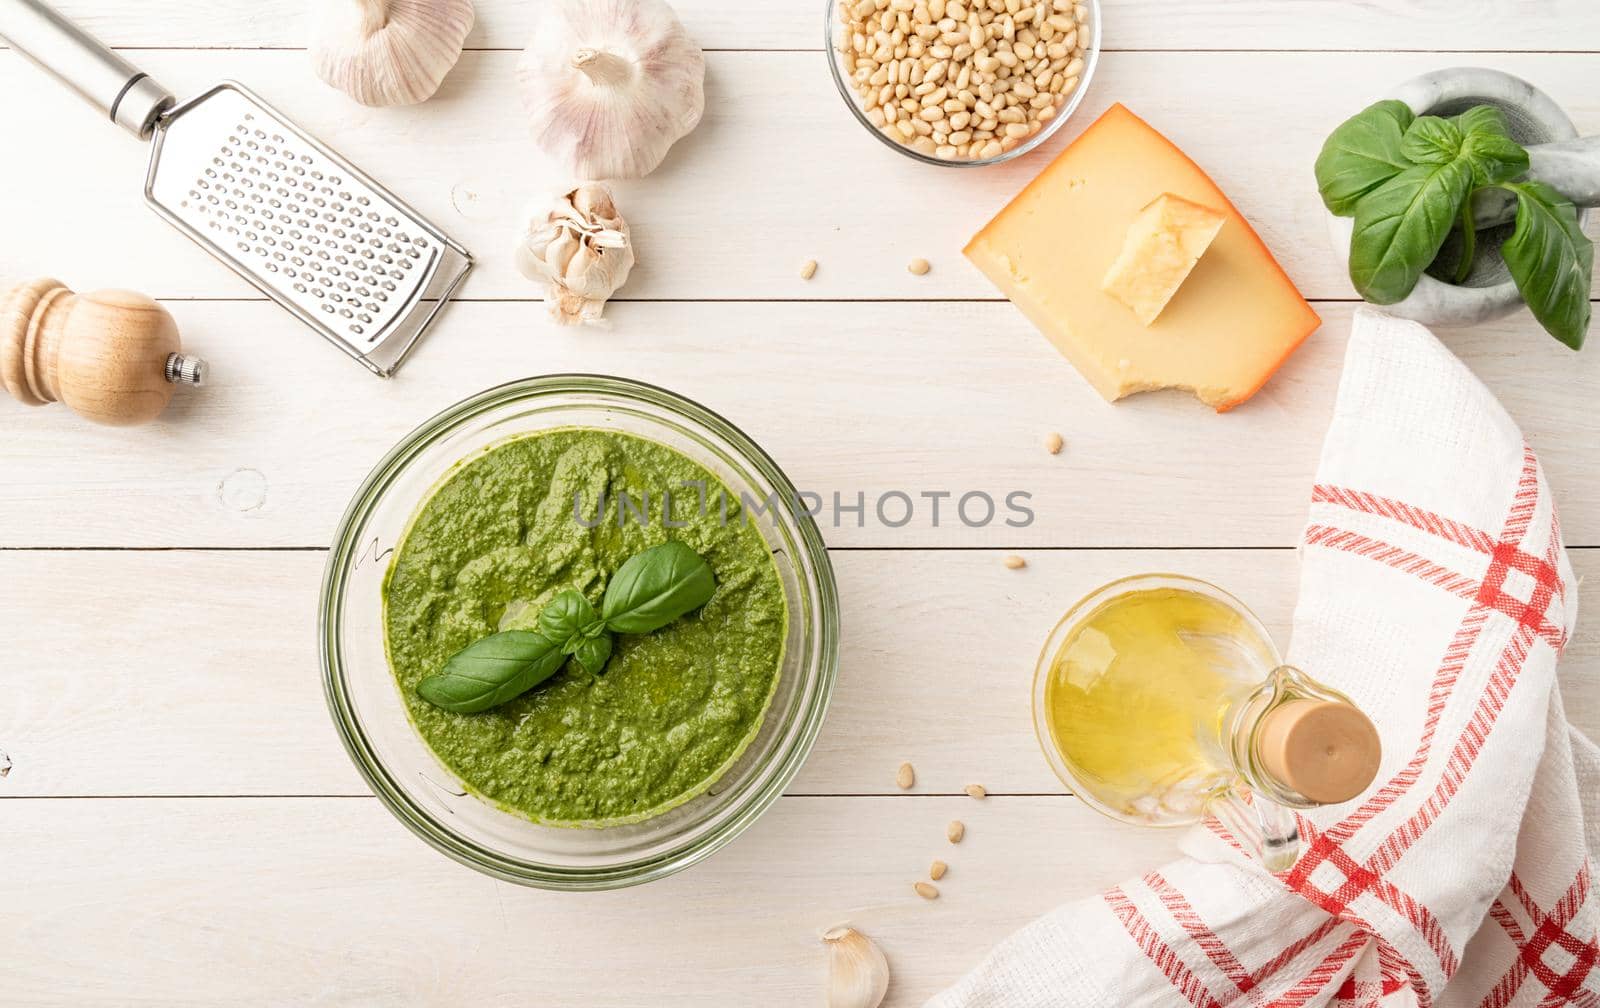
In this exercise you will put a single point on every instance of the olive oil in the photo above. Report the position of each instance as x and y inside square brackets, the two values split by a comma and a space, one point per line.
[1138, 696]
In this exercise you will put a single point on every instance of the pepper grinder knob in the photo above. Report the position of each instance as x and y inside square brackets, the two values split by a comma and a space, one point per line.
[185, 369]
[112, 356]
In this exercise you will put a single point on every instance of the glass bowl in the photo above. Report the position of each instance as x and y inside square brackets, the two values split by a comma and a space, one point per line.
[369, 712]
[832, 45]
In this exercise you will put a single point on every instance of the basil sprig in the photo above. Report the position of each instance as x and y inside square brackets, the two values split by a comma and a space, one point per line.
[650, 590]
[1408, 180]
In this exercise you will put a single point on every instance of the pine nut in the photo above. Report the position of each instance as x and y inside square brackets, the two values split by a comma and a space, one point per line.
[956, 831]
[1015, 562]
[1053, 443]
[919, 267]
[926, 890]
[808, 269]
[976, 791]
[905, 777]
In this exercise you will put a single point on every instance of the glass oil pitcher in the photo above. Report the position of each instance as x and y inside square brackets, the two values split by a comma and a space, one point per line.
[1161, 699]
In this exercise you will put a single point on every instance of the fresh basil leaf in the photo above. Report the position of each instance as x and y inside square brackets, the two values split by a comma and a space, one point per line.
[1552, 261]
[1400, 228]
[655, 587]
[593, 653]
[1483, 120]
[1431, 140]
[1494, 159]
[491, 671]
[1362, 154]
[1488, 146]
[568, 619]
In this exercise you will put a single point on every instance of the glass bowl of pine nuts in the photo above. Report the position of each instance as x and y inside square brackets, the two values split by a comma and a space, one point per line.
[962, 83]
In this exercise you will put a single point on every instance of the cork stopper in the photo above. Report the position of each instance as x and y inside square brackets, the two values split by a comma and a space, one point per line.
[1325, 750]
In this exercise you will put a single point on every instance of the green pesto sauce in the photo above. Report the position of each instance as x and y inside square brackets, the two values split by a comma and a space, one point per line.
[673, 709]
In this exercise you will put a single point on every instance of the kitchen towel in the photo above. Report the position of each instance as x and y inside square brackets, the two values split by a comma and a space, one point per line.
[1435, 591]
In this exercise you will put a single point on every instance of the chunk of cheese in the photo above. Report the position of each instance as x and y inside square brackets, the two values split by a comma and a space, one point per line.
[1235, 321]
[1164, 242]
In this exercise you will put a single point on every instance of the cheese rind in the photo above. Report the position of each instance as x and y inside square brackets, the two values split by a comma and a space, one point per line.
[1164, 242]
[1234, 322]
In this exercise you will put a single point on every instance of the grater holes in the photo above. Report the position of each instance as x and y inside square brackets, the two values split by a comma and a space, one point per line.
[333, 244]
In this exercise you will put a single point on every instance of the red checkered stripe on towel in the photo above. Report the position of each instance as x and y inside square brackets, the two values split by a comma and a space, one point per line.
[1488, 596]
[1550, 928]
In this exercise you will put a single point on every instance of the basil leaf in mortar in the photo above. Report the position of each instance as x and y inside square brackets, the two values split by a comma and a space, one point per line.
[1400, 228]
[1487, 145]
[655, 587]
[1431, 140]
[1362, 154]
[490, 671]
[1552, 261]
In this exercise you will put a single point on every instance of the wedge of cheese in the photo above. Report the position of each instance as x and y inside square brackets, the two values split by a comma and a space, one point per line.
[1163, 244]
[1227, 329]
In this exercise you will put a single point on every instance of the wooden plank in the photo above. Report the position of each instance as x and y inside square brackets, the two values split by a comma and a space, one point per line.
[777, 174]
[849, 398]
[1566, 25]
[328, 901]
[195, 673]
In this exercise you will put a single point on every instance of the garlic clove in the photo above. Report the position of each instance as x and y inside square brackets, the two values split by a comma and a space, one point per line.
[561, 250]
[389, 52]
[858, 973]
[610, 85]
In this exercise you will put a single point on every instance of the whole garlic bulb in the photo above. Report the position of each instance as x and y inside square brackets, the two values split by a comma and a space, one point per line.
[610, 84]
[580, 244]
[389, 52]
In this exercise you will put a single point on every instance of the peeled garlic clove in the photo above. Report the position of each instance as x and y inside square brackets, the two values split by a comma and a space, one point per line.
[858, 974]
[581, 248]
[610, 85]
[389, 52]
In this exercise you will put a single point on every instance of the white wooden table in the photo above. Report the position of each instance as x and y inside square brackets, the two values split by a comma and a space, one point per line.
[181, 825]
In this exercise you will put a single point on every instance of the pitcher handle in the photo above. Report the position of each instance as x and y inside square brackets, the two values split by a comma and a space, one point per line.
[1270, 832]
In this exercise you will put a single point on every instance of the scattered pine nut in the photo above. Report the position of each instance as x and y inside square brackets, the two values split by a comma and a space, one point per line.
[1015, 562]
[926, 890]
[1053, 443]
[906, 777]
[919, 267]
[955, 831]
[808, 269]
[976, 791]
[937, 869]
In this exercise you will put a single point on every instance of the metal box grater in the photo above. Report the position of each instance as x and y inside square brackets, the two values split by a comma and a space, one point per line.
[303, 225]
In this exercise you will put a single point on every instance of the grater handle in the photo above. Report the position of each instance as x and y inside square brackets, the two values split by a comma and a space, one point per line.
[105, 80]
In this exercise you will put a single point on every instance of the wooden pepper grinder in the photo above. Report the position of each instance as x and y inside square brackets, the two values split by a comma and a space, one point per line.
[112, 356]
